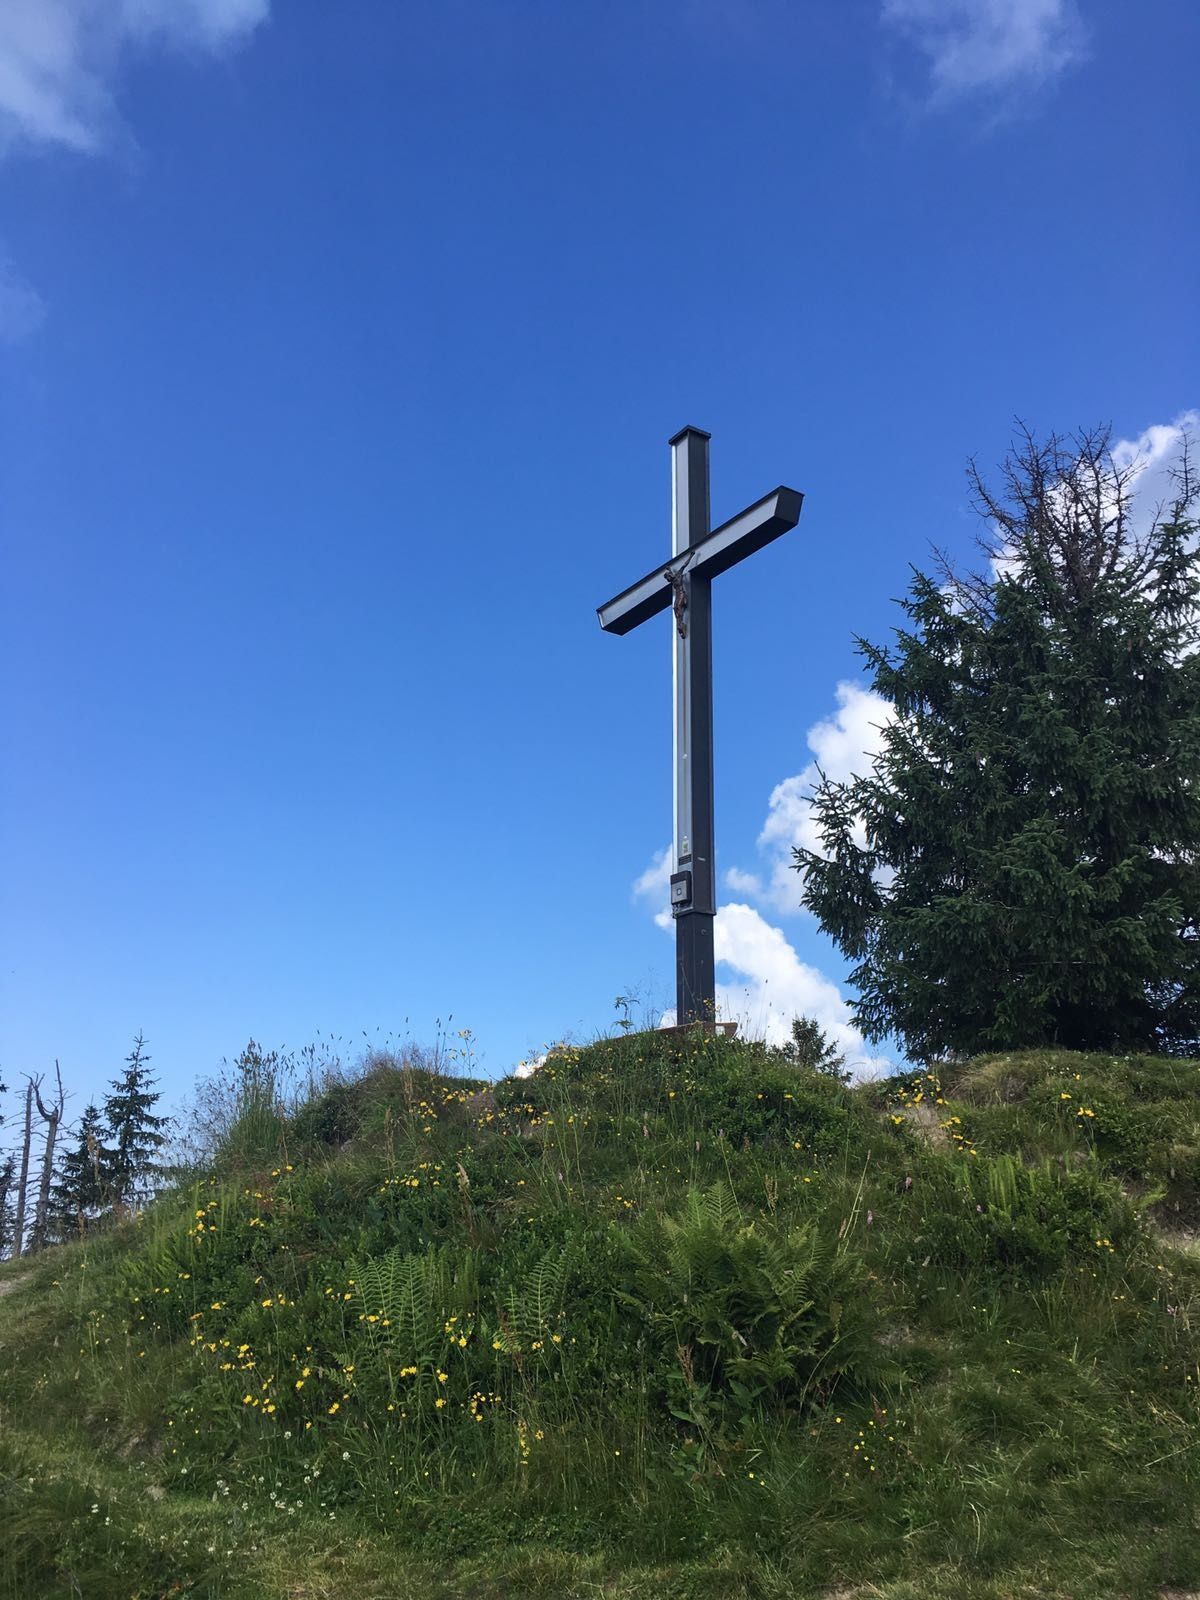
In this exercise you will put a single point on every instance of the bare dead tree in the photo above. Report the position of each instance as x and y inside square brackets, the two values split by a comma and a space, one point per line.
[18, 1244]
[7, 1168]
[1067, 503]
[52, 1117]
[94, 1158]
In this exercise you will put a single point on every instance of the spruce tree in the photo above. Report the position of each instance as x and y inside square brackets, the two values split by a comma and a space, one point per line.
[135, 1139]
[82, 1189]
[1021, 866]
[809, 1047]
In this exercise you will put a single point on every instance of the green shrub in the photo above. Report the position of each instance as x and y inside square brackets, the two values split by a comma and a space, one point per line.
[331, 1118]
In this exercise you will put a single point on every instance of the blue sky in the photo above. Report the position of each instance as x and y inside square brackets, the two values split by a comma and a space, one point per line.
[339, 350]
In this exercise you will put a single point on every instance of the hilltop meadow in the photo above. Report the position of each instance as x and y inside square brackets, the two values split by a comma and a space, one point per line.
[673, 1317]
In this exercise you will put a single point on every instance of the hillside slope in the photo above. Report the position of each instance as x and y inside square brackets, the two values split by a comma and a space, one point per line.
[669, 1318]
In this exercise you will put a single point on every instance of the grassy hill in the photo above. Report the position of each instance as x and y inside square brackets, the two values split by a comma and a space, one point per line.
[671, 1318]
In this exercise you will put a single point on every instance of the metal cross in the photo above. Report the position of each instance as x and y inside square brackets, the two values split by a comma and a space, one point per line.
[684, 583]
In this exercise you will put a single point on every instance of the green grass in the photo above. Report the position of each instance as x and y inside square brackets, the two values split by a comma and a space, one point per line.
[1138, 1116]
[669, 1318]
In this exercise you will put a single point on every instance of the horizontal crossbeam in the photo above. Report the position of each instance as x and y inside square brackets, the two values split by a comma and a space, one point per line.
[723, 548]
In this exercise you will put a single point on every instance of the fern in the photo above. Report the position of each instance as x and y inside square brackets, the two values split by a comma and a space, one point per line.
[416, 1295]
[747, 1310]
[531, 1308]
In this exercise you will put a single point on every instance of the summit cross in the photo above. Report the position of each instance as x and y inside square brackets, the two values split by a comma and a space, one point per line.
[684, 584]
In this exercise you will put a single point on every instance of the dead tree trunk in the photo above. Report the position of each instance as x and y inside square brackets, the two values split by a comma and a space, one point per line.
[51, 1118]
[18, 1244]
[7, 1168]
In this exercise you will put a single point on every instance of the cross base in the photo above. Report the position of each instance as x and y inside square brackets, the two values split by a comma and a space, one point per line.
[727, 1030]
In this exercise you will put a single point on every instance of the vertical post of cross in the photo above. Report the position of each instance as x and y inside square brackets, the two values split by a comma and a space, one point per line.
[694, 868]
[683, 585]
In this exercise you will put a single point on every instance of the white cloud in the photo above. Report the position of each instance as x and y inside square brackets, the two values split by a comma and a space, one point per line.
[988, 46]
[1151, 456]
[744, 883]
[59, 59]
[654, 883]
[777, 986]
[657, 875]
[773, 985]
[21, 306]
[843, 744]
[207, 22]
[1147, 464]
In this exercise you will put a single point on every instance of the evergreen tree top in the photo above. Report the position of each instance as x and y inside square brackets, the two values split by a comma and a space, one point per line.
[134, 1127]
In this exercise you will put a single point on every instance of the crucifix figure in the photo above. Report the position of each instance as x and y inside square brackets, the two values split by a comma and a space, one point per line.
[684, 583]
